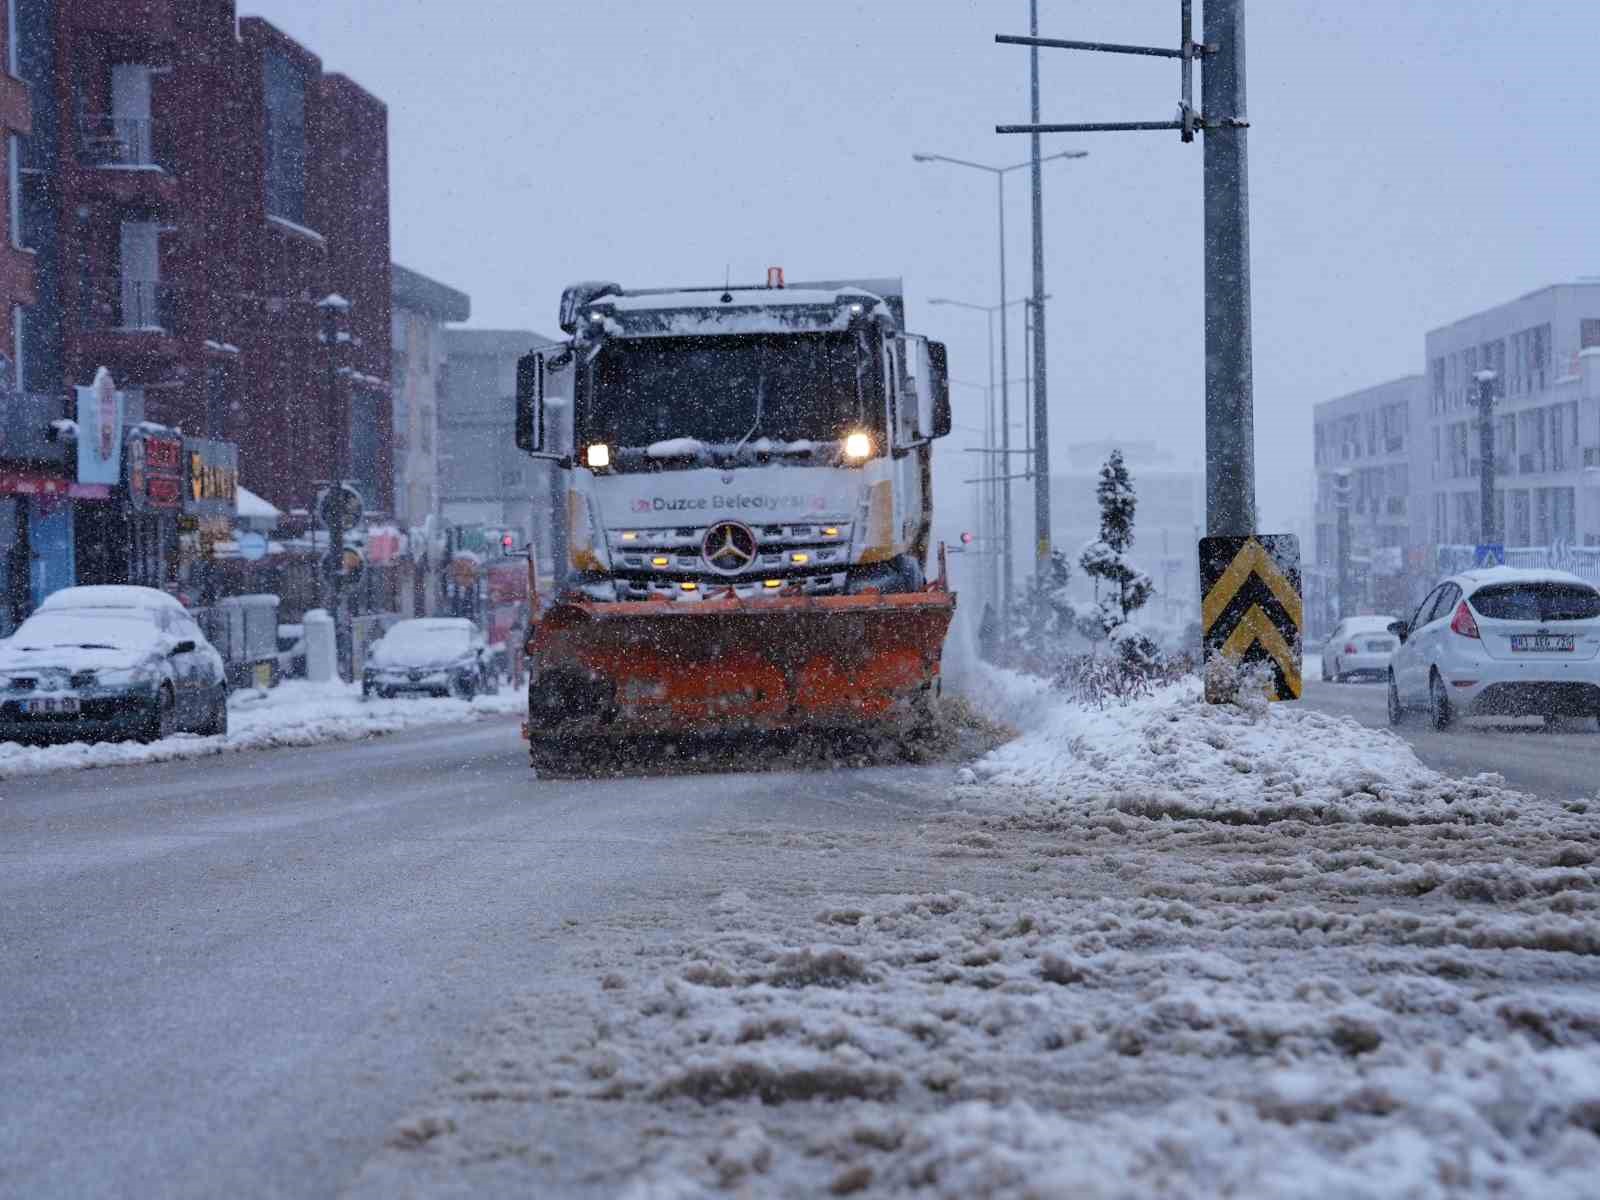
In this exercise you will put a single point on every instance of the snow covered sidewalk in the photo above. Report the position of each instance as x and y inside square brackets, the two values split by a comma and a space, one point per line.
[1161, 950]
[295, 713]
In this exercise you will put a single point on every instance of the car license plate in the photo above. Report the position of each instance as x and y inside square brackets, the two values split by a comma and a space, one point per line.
[1379, 647]
[50, 706]
[1561, 643]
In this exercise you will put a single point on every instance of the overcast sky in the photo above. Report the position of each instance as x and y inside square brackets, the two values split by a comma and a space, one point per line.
[1409, 162]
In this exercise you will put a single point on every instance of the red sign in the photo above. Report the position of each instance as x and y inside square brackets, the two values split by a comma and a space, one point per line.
[163, 454]
[22, 483]
[164, 491]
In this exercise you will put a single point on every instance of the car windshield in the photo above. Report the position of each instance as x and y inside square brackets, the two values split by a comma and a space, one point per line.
[422, 641]
[108, 628]
[1537, 602]
[786, 388]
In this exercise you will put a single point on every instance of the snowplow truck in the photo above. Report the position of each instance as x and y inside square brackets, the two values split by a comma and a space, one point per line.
[740, 515]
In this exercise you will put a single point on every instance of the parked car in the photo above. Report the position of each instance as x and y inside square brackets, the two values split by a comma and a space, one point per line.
[1359, 646]
[1500, 642]
[102, 663]
[443, 656]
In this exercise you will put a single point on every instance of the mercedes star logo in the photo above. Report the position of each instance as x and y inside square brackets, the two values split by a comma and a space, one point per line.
[729, 547]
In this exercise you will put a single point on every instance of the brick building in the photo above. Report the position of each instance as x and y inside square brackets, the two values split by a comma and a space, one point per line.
[193, 186]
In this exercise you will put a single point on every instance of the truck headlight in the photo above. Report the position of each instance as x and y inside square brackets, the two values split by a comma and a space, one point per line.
[858, 446]
[597, 455]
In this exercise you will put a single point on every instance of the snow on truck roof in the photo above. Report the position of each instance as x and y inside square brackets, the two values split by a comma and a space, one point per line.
[742, 298]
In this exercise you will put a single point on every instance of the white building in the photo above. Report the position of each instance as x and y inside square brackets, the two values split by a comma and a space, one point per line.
[1545, 350]
[418, 311]
[1369, 436]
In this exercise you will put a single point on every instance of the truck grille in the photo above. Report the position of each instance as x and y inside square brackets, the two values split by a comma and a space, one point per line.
[656, 562]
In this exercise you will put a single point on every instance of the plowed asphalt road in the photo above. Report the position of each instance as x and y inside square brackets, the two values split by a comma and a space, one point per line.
[1563, 764]
[229, 976]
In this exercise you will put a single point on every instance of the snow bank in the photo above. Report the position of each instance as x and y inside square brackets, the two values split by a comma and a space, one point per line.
[295, 713]
[1173, 755]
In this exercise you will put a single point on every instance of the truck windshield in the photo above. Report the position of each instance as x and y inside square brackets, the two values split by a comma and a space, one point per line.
[651, 390]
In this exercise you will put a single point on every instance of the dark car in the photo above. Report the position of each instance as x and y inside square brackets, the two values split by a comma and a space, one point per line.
[442, 656]
[104, 663]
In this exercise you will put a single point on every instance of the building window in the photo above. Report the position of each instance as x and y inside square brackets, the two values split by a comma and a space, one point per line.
[284, 88]
[1558, 442]
[425, 428]
[1437, 373]
[1588, 333]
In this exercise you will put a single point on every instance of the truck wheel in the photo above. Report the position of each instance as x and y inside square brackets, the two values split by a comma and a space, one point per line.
[548, 755]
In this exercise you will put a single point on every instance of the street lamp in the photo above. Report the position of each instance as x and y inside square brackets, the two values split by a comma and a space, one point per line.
[1000, 174]
[991, 422]
[334, 308]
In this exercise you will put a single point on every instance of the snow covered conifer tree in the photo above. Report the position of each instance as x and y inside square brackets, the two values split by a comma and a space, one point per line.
[1126, 588]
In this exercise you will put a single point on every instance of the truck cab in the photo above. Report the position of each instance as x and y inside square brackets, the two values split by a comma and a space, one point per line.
[748, 441]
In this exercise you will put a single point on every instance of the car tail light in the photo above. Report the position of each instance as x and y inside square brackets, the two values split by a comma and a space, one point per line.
[1463, 623]
[1350, 648]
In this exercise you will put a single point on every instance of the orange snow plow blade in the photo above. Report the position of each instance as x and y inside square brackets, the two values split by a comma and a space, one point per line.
[719, 665]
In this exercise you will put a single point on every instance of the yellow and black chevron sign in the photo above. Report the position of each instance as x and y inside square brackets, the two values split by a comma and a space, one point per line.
[1251, 610]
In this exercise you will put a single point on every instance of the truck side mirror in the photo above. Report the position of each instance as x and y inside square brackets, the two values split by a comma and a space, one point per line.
[939, 383]
[530, 403]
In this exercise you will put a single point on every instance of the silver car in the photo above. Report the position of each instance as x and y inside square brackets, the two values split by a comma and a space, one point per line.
[105, 663]
[442, 656]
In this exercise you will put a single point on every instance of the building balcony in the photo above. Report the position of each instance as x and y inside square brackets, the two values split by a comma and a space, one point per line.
[130, 316]
[120, 143]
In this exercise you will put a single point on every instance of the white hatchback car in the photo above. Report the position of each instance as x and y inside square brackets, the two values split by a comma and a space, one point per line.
[1500, 642]
[1359, 646]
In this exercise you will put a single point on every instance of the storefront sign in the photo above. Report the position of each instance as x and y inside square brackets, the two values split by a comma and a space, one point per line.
[211, 474]
[25, 483]
[155, 470]
[100, 431]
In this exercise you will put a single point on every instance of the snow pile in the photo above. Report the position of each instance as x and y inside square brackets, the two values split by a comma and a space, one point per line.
[1173, 755]
[295, 713]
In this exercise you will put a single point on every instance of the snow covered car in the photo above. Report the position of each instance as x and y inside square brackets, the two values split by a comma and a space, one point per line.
[1500, 642]
[102, 663]
[443, 656]
[1359, 646]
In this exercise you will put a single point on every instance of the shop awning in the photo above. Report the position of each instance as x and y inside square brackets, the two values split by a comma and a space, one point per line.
[255, 513]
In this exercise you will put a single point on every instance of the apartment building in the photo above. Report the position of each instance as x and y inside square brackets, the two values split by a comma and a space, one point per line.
[483, 478]
[420, 309]
[194, 184]
[1368, 437]
[1544, 349]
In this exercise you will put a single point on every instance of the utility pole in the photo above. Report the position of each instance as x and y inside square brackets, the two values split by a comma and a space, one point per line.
[333, 307]
[1041, 408]
[1005, 426]
[1230, 416]
[1487, 514]
[1230, 422]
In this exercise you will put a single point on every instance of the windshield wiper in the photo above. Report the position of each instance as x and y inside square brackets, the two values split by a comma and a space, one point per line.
[761, 397]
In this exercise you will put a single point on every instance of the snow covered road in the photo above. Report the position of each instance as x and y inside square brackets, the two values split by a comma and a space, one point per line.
[1162, 951]
[232, 975]
[1557, 764]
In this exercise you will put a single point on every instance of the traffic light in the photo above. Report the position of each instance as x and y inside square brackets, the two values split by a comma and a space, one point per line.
[966, 538]
[507, 542]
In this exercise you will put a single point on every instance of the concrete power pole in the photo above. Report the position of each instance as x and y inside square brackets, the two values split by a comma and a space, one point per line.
[333, 308]
[1041, 406]
[1487, 514]
[1230, 405]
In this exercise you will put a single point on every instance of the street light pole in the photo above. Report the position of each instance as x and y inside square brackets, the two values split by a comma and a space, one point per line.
[1000, 174]
[333, 307]
[1488, 517]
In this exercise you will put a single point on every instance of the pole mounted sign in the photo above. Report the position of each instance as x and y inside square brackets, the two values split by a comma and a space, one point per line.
[351, 503]
[100, 431]
[1251, 610]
